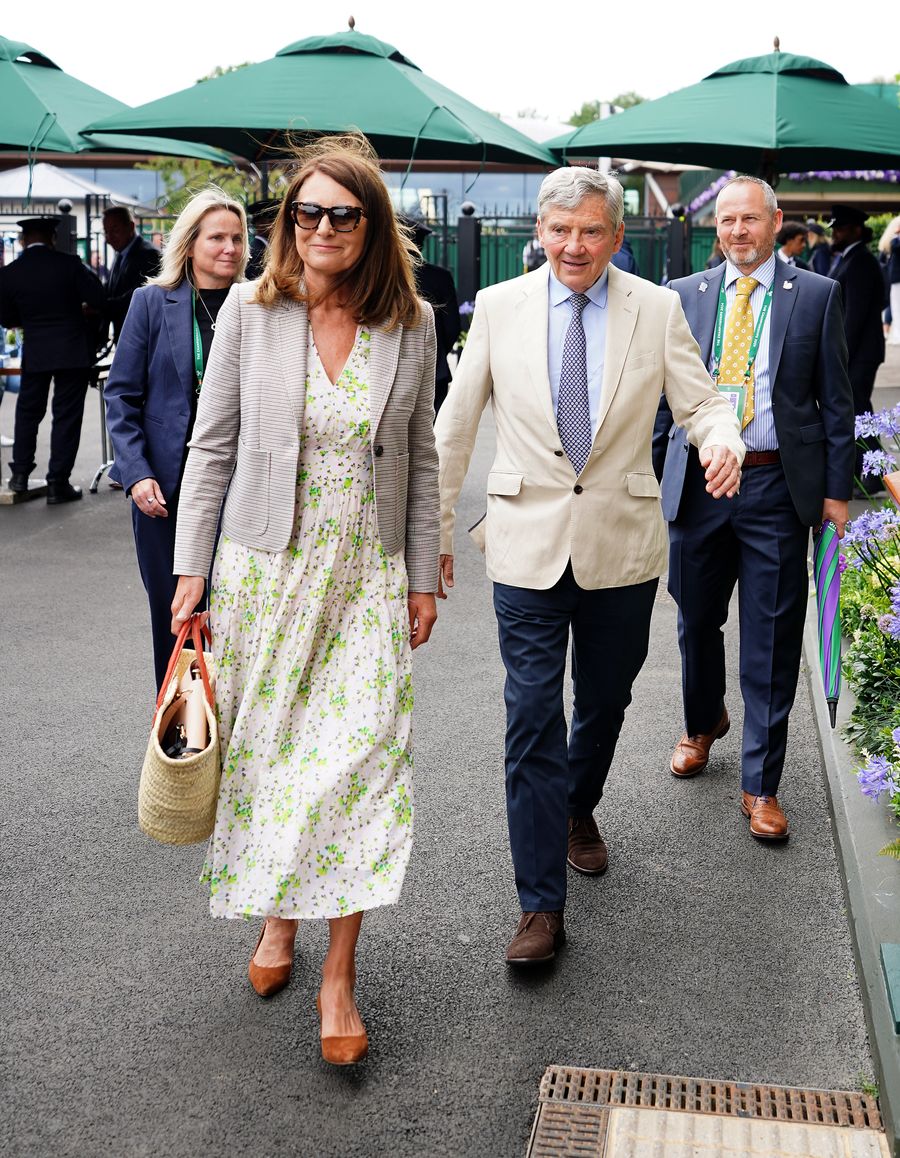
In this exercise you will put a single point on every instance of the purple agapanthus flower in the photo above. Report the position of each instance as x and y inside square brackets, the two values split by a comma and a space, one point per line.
[842, 564]
[895, 736]
[876, 777]
[865, 425]
[877, 463]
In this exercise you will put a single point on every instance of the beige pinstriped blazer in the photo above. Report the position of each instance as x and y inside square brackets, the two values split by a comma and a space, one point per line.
[246, 439]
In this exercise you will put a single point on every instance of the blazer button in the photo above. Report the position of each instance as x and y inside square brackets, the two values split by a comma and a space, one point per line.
[379, 451]
[558, 453]
[578, 489]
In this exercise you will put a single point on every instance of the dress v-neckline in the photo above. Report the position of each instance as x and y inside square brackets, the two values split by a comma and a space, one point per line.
[312, 338]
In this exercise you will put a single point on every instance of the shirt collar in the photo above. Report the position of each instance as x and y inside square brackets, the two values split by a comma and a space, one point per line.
[560, 293]
[764, 273]
[122, 252]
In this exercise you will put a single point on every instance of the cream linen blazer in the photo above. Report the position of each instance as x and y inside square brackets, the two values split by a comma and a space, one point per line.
[608, 520]
[246, 438]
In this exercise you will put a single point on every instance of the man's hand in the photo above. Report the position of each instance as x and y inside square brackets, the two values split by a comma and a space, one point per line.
[723, 475]
[149, 499]
[838, 511]
[188, 594]
[422, 616]
[445, 579]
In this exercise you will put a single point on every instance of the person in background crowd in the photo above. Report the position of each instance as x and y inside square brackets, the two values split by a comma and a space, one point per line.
[772, 337]
[261, 215]
[716, 256]
[819, 256]
[435, 285]
[315, 426]
[135, 261]
[533, 255]
[889, 248]
[625, 259]
[791, 242]
[572, 358]
[857, 272]
[155, 381]
[50, 295]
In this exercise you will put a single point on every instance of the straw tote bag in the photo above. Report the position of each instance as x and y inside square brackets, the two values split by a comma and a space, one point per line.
[178, 795]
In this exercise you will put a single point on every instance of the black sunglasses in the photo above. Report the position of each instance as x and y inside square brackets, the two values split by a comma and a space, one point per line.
[343, 218]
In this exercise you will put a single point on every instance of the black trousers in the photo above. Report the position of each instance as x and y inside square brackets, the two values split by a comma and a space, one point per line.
[862, 381]
[69, 389]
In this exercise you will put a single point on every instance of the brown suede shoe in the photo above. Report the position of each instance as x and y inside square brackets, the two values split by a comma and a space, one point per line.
[267, 980]
[691, 753]
[767, 819]
[587, 850]
[537, 938]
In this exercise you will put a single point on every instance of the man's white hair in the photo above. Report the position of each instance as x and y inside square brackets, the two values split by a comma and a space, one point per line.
[568, 187]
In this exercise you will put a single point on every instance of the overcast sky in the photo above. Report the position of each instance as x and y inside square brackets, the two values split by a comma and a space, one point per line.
[492, 53]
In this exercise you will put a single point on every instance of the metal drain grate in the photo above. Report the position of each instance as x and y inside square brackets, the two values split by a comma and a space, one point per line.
[574, 1105]
[700, 1096]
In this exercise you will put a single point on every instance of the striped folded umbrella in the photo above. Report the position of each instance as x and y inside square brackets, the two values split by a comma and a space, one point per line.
[827, 575]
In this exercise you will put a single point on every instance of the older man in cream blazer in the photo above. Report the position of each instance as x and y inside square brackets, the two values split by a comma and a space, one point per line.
[573, 358]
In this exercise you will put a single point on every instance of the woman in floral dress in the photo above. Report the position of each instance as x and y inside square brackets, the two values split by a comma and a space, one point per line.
[315, 417]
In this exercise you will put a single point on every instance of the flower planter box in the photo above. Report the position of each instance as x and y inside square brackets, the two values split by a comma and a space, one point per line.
[871, 883]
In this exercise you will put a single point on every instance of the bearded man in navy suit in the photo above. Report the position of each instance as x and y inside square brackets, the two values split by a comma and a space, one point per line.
[798, 472]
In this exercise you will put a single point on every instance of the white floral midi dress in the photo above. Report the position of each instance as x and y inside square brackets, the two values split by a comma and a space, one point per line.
[314, 687]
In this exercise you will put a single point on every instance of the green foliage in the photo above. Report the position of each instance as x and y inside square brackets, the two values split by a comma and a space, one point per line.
[220, 71]
[182, 178]
[590, 110]
[893, 851]
[872, 669]
[867, 1085]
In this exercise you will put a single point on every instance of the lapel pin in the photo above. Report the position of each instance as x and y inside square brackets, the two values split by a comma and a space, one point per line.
[788, 285]
[704, 285]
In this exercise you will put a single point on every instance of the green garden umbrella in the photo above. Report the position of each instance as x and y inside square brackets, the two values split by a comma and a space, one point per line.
[764, 115]
[329, 84]
[43, 110]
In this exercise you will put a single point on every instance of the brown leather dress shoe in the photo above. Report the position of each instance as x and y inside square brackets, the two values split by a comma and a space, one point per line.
[587, 849]
[691, 753]
[767, 819]
[537, 938]
[268, 980]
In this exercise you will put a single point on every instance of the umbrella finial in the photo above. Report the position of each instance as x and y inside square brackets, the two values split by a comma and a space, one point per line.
[777, 44]
[352, 23]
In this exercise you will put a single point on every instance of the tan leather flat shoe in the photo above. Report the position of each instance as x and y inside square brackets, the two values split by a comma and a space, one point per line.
[268, 980]
[343, 1051]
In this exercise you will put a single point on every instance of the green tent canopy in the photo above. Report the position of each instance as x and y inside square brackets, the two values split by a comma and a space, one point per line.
[330, 84]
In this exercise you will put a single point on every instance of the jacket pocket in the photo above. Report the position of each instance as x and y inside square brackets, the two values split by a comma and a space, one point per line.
[642, 486]
[247, 505]
[814, 433]
[504, 483]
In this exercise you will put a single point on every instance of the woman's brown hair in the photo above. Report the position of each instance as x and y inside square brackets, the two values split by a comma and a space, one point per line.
[380, 289]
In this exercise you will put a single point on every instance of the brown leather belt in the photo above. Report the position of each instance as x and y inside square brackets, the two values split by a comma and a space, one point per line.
[761, 457]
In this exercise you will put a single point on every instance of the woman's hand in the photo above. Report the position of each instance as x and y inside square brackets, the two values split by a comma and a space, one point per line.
[149, 499]
[422, 615]
[188, 594]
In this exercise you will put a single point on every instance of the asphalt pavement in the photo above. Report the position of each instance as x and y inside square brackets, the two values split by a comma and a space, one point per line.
[129, 1028]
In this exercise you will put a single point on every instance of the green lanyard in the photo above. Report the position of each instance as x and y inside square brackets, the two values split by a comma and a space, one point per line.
[719, 338]
[198, 345]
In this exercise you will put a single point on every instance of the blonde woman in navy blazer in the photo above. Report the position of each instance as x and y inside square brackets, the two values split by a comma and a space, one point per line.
[151, 395]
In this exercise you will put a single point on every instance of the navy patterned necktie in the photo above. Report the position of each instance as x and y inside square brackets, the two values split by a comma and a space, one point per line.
[573, 412]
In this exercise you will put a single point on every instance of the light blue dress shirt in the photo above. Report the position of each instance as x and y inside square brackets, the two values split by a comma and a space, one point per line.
[759, 433]
[594, 320]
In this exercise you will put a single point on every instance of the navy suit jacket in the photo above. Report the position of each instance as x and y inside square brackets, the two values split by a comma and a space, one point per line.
[150, 391]
[862, 283]
[42, 291]
[812, 402]
[142, 261]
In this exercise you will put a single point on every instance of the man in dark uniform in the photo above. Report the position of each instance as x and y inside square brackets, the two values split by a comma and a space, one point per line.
[857, 272]
[435, 285]
[261, 215]
[819, 258]
[45, 293]
[136, 260]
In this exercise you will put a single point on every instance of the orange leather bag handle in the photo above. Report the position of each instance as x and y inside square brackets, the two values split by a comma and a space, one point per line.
[199, 633]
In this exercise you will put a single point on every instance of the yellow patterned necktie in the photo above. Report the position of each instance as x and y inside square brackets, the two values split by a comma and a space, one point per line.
[736, 347]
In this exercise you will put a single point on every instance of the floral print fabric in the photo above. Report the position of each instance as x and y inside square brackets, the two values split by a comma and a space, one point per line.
[314, 687]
